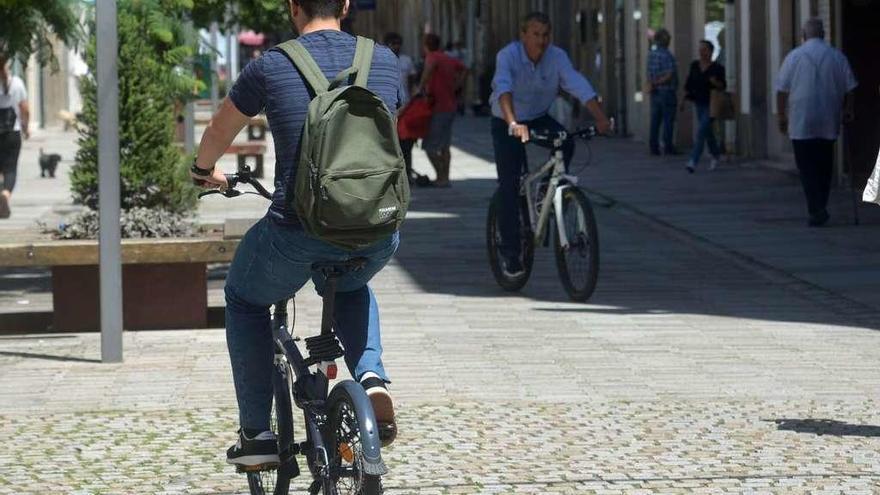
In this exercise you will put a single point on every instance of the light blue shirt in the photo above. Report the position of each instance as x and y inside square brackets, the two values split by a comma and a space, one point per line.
[816, 77]
[535, 86]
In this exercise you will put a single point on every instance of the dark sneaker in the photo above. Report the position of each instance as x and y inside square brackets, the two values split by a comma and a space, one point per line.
[260, 452]
[383, 408]
[512, 268]
[819, 220]
[4, 206]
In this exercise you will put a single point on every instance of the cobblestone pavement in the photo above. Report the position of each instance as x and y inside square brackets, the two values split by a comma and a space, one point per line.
[506, 447]
[690, 371]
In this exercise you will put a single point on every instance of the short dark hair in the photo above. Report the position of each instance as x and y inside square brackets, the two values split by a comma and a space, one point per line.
[662, 38]
[322, 9]
[393, 38]
[709, 44]
[536, 17]
[432, 42]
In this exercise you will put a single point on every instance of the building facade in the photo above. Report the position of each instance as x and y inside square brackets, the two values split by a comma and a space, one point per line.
[609, 40]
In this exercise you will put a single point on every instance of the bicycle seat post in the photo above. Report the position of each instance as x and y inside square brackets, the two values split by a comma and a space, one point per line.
[331, 277]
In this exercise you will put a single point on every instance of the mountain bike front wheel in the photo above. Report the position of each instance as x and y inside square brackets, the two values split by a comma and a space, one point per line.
[578, 262]
[494, 245]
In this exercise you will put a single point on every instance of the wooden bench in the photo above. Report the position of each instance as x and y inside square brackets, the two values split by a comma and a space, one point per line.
[164, 280]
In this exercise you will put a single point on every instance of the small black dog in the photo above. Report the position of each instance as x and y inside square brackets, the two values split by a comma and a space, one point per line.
[48, 163]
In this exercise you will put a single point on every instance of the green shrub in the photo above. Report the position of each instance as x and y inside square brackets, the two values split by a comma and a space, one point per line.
[152, 54]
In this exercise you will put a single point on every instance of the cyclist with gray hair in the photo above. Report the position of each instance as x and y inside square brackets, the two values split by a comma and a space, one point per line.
[529, 74]
[817, 81]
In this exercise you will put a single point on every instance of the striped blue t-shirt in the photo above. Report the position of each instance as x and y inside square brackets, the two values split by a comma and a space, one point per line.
[272, 84]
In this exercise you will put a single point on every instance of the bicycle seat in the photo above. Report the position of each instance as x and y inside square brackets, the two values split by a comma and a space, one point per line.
[339, 267]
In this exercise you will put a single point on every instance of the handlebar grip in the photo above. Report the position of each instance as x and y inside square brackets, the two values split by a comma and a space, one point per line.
[206, 193]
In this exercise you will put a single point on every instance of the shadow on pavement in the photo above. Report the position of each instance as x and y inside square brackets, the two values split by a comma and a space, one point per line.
[644, 268]
[827, 427]
[50, 357]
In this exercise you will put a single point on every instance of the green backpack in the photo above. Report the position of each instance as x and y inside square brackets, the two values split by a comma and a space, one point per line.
[351, 188]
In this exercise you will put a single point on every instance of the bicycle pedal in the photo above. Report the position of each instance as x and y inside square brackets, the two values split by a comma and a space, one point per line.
[269, 466]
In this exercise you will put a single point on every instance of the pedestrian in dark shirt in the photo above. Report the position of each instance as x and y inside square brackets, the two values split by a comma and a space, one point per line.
[704, 76]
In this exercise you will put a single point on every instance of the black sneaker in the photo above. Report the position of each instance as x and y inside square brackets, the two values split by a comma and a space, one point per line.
[260, 452]
[512, 268]
[819, 220]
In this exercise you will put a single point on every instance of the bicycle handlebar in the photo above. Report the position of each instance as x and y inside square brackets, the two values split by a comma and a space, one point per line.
[244, 176]
[585, 133]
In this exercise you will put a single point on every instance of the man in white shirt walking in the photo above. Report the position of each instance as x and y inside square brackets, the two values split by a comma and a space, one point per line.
[813, 88]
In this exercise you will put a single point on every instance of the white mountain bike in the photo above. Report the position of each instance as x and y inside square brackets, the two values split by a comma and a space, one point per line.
[551, 205]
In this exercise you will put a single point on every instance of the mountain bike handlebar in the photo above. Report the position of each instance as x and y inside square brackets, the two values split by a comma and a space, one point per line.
[550, 137]
[244, 176]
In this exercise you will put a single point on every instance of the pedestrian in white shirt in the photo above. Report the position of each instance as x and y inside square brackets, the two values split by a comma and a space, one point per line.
[813, 89]
[14, 117]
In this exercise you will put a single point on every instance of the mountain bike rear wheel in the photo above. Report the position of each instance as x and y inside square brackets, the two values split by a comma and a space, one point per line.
[578, 263]
[494, 245]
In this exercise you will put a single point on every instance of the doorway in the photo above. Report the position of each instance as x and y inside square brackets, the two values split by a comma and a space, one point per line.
[861, 43]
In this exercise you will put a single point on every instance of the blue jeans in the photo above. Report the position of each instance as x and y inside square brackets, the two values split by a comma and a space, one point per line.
[662, 110]
[510, 161]
[272, 263]
[705, 134]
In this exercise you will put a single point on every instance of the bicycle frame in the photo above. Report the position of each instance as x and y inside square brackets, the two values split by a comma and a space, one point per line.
[555, 166]
[310, 390]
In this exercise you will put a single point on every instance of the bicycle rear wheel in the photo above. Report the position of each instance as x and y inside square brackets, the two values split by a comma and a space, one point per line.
[578, 263]
[277, 481]
[494, 243]
[346, 450]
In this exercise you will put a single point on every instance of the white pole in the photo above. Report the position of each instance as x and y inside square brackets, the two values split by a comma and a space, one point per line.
[108, 182]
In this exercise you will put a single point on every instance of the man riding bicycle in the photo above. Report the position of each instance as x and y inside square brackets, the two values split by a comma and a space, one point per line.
[275, 257]
[528, 76]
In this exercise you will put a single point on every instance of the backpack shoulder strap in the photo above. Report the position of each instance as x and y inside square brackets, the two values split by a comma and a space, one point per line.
[306, 65]
[363, 60]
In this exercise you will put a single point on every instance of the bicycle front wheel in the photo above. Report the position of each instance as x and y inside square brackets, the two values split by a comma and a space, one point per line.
[494, 245]
[578, 261]
[345, 449]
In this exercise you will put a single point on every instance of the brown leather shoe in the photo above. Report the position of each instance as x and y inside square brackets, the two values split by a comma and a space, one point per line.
[383, 408]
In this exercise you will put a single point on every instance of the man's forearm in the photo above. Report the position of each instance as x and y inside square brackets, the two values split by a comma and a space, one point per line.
[595, 109]
[219, 134]
[505, 101]
[849, 103]
[663, 78]
[781, 104]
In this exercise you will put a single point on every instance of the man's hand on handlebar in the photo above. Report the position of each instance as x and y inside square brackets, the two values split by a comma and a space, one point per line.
[604, 126]
[519, 131]
[214, 181]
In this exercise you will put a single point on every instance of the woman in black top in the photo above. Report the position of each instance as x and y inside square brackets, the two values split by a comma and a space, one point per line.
[704, 76]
